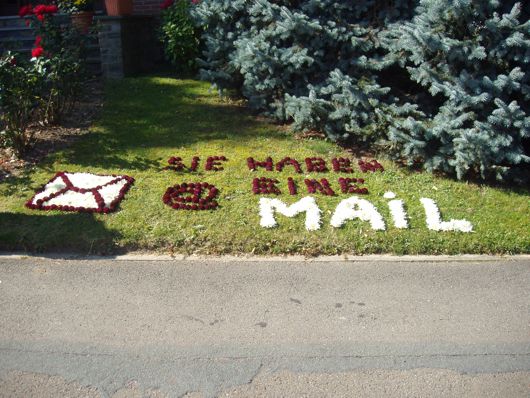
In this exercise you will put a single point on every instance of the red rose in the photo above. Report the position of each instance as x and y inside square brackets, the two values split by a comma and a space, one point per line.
[38, 41]
[26, 10]
[40, 9]
[52, 9]
[37, 52]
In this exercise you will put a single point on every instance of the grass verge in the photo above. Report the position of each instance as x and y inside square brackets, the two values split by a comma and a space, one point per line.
[147, 120]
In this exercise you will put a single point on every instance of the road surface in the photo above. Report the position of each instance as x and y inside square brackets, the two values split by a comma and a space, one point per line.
[205, 328]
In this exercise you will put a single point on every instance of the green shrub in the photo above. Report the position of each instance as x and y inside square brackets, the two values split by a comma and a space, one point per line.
[20, 83]
[179, 35]
[44, 88]
[62, 58]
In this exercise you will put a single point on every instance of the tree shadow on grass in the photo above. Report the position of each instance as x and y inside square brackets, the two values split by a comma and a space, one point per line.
[11, 185]
[145, 113]
[80, 233]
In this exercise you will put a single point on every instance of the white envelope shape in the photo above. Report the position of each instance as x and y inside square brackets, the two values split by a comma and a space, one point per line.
[81, 192]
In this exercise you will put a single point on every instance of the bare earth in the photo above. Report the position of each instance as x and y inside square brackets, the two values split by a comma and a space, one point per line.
[49, 139]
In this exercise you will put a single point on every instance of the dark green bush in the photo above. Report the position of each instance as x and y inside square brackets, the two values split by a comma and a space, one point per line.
[179, 36]
[20, 83]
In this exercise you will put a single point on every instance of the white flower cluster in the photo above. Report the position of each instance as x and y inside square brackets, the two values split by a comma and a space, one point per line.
[306, 204]
[357, 208]
[354, 207]
[397, 210]
[435, 223]
[108, 191]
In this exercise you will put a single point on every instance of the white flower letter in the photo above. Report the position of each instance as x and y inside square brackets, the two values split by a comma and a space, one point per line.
[435, 223]
[352, 208]
[306, 204]
[397, 210]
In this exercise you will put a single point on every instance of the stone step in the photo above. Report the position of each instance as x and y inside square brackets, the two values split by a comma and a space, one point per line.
[16, 33]
[12, 21]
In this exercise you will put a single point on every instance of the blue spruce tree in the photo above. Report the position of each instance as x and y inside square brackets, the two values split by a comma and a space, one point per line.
[472, 58]
[446, 82]
[311, 61]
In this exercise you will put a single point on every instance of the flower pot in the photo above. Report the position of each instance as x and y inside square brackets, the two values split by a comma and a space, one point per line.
[116, 8]
[82, 20]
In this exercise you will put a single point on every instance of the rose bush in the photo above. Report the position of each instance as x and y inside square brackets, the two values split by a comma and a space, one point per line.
[59, 51]
[20, 83]
[44, 88]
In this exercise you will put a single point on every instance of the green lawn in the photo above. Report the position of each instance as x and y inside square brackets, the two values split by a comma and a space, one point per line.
[147, 120]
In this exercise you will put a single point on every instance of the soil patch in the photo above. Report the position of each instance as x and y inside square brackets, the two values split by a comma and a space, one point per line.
[50, 139]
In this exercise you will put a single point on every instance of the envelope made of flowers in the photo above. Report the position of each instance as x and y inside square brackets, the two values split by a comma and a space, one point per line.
[81, 192]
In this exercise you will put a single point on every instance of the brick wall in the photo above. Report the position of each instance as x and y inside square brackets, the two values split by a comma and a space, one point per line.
[147, 7]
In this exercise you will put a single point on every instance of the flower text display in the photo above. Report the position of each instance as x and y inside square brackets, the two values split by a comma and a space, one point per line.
[355, 208]
[85, 192]
[350, 209]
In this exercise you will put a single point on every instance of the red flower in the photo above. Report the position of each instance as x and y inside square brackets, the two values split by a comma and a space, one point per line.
[341, 165]
[253, 165]
[349, 185]
[316, 165]
[323, 186]
[37, 52]
[43, 9]
[40, 9]
[38, 41]
[52, 9]
[166, 4]
[286, 161]
[176, 164]
[26, 10]
[292, 186]
[174, 196]
[265, 186]
[213, 162]
[372, 166]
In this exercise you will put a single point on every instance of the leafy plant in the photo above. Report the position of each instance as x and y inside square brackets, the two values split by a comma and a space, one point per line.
[19, 85]
[73, 6]
[59, 52]
[178, 34]
[45, 87]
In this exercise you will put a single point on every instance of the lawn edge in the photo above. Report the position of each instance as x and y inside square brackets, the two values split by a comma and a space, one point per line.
[252, 258]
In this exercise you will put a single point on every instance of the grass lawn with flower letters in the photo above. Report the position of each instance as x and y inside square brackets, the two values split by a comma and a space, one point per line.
[145, 121]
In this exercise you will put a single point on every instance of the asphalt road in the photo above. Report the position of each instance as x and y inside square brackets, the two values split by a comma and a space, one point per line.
[107, 328]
